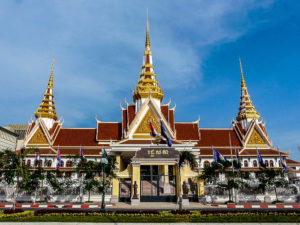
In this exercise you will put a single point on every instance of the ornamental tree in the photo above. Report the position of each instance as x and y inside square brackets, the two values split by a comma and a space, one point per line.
[268, 177]
[15, 172]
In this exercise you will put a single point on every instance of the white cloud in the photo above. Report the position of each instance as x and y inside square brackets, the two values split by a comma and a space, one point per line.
[99, 46]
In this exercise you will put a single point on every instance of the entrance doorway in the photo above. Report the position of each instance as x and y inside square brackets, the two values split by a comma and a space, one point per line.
[158, 183]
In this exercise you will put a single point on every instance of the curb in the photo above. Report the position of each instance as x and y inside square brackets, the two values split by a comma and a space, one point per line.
[256, 206]
[34, 206]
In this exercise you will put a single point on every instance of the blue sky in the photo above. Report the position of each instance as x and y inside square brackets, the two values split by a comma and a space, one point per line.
[99, 45]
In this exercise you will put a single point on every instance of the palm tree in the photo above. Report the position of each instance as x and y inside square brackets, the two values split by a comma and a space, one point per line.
[189, 158]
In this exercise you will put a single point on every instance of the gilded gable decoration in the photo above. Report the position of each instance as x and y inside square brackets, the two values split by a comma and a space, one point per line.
[38, 138]
[256, 140]
[144, 125]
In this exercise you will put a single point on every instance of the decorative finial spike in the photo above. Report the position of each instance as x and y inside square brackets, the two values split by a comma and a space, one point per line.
[147, 44]
[243, 83]
[50, 83]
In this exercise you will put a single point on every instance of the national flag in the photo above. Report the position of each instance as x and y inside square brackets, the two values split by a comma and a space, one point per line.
[282, 163]
[218, 157]
[38, 158]
[260, 160]
[58, 159]
[104, 153]
[153, 132]
[238, 160]
[104, 157]
[164, 134]
[81, 153]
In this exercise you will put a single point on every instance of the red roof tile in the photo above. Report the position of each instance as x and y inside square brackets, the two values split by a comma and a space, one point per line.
[263, 129]
[239, 126]
[263, 152]
[165, 111]
[171, 119]
[76, 137]
[130, 113]
[187, 131]
[217, 137]
[53, 128]
[223, 151]
[109, 131]
[76, 151]
[124, 120]
[290, 162]
[31, 126]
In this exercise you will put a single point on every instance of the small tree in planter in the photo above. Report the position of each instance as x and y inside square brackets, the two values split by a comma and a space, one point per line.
[268, 177]
[88, 169]
[234, 179]
[15, 172]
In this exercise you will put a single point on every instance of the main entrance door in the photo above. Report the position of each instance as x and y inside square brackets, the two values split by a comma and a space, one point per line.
[158, 183]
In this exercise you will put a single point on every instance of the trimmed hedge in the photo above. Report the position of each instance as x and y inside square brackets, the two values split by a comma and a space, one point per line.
[41, 212]
[12, 211]
[149, 216]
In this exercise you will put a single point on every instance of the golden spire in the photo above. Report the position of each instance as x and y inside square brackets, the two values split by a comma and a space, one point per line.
[247, 109]
[147, 84]
[243, 83]
[47, 107]
[147, 43]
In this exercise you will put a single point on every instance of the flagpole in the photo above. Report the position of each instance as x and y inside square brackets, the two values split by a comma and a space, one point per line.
[233, 191]
[80, 178]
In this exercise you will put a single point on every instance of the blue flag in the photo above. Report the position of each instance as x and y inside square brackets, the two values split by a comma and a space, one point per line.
[260, 160]
[81, 152]
[218, 157]
[238, 160]
[282, 163]
[163, 133]
[58, 165]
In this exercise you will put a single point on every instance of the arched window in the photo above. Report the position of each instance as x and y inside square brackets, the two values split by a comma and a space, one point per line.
[68, 174]
[69, 163]
[206, 164]
[280, 164]
[271, 163]
[267, 163]
[36, 162]
[245, 163]
[49, 163]
[23, 162]
[62, 164]
[254, 163]
[28, 162]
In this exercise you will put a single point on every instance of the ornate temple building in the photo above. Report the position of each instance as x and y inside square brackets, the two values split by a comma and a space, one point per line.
[147, 166]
